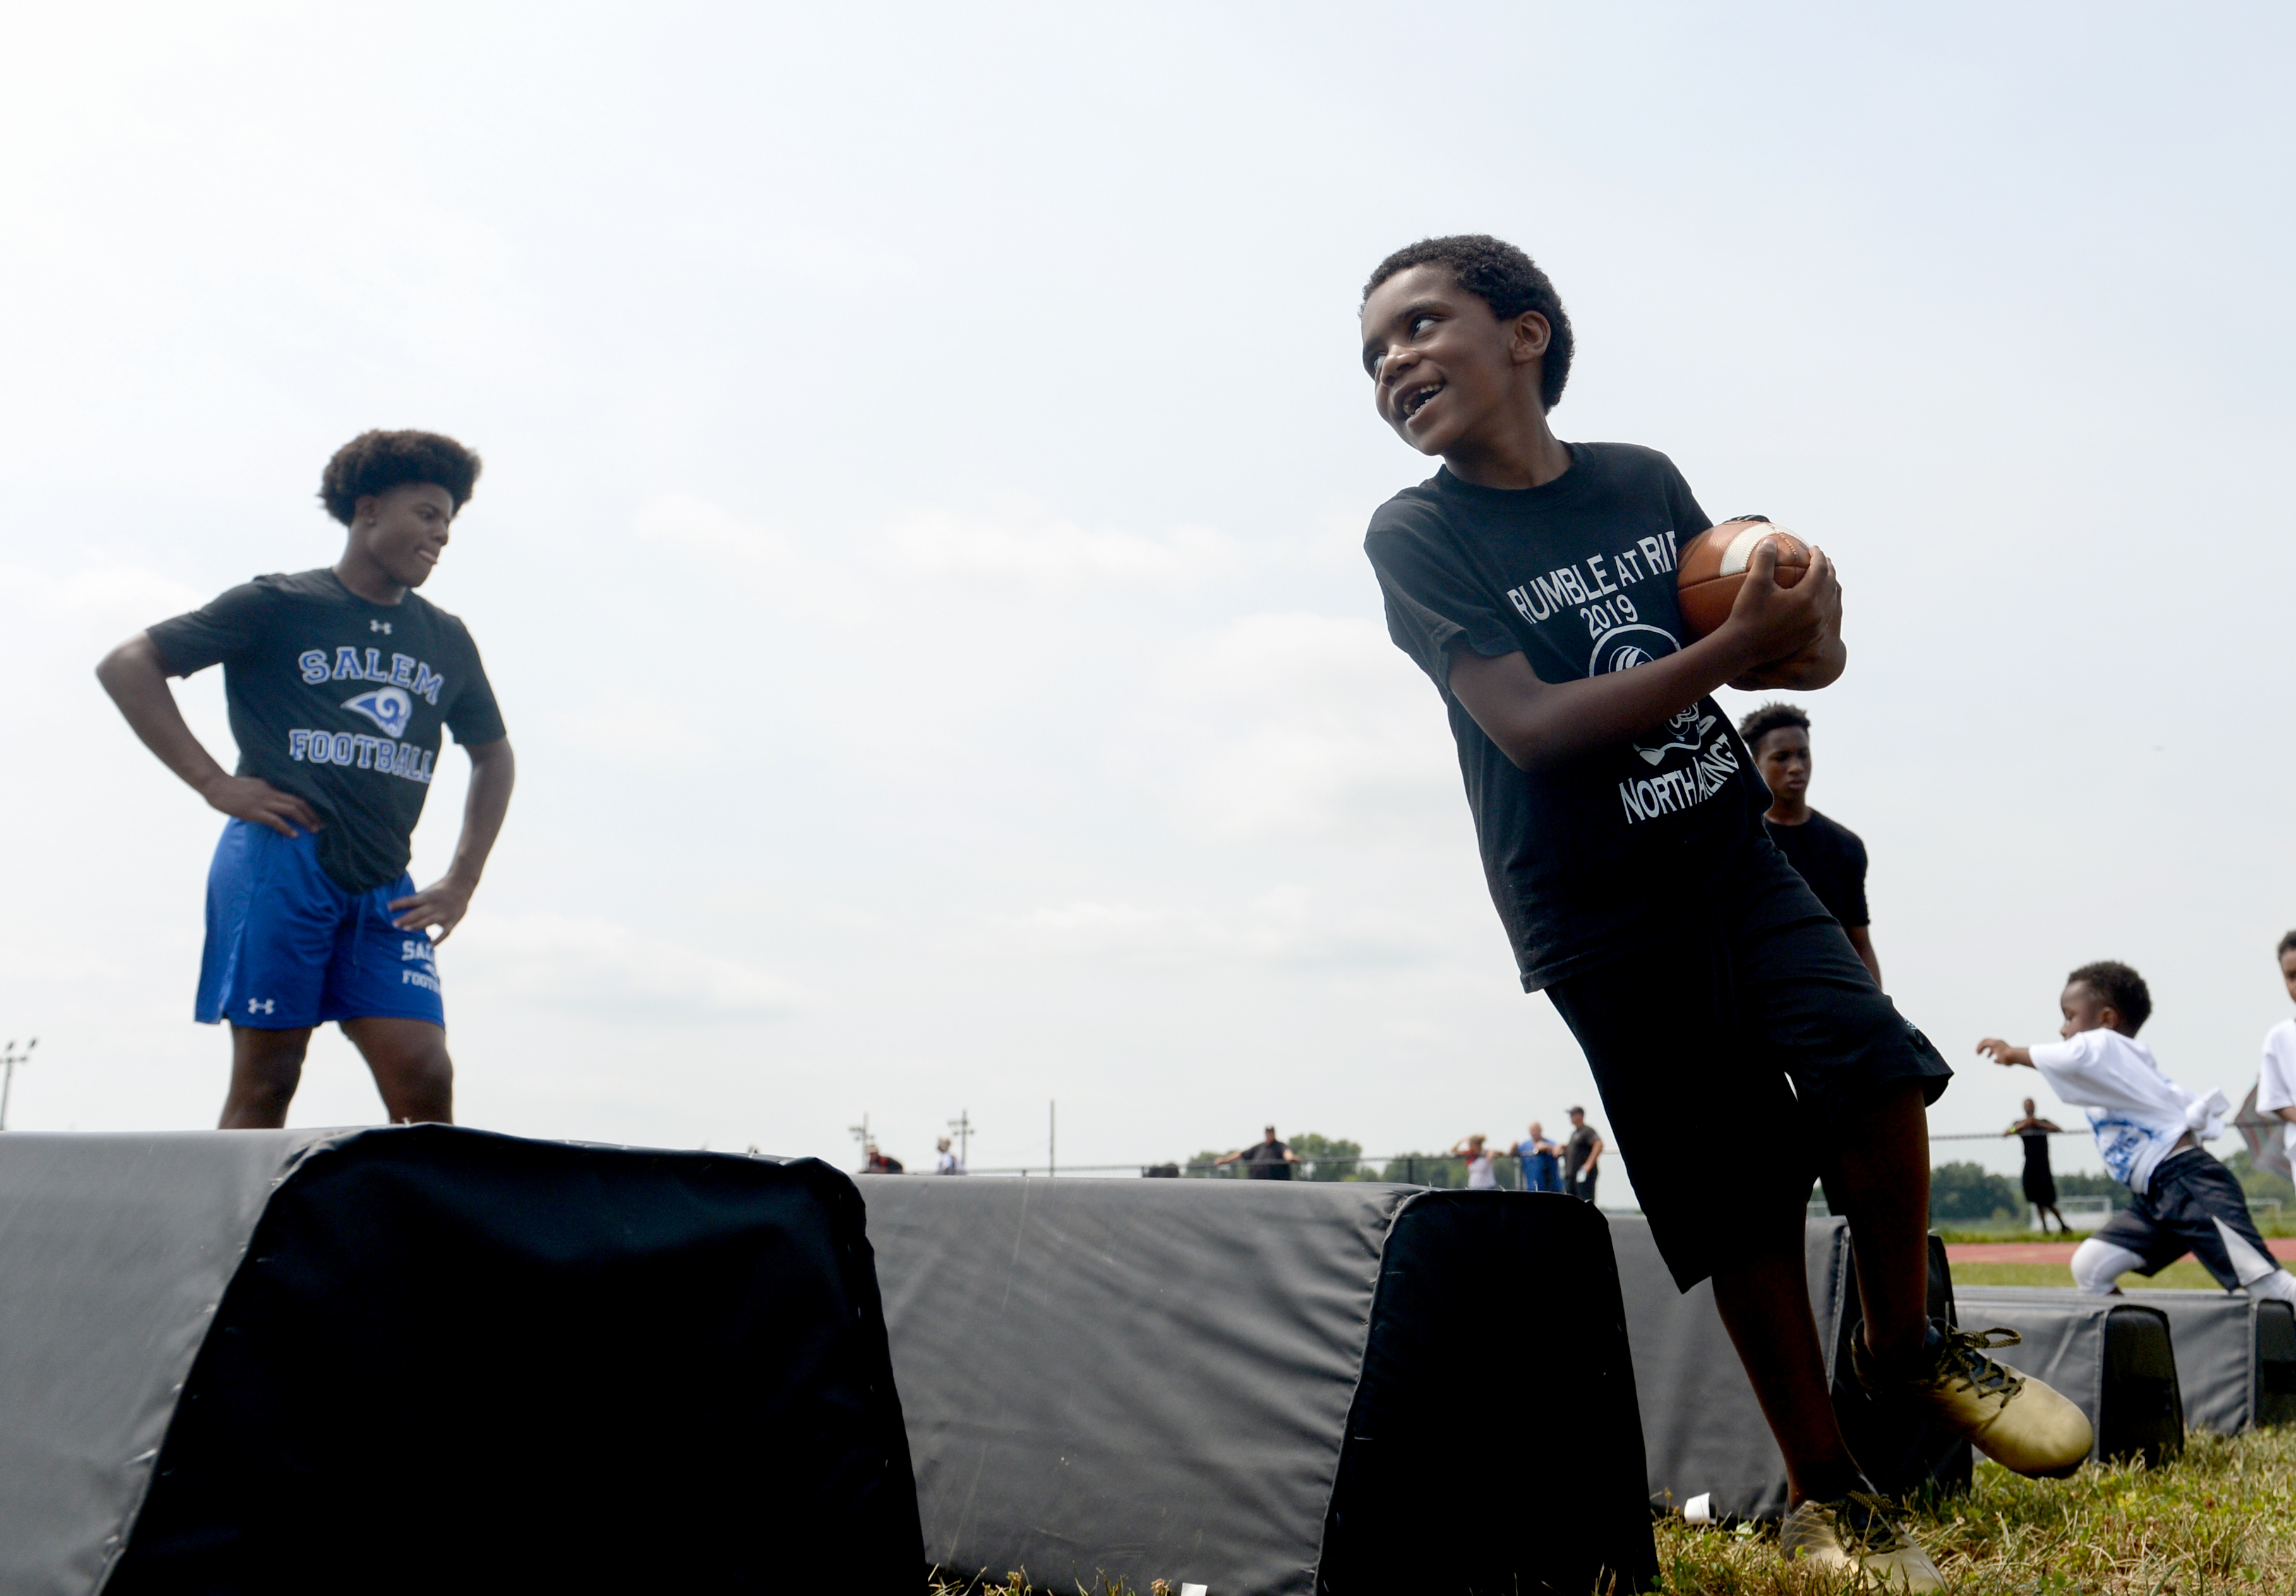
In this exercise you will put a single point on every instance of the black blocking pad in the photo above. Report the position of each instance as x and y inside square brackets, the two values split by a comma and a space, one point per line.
[2114, 1358]
[2235, 1356]
[1491, 1311]
[1262, 1387]
[452, 1361]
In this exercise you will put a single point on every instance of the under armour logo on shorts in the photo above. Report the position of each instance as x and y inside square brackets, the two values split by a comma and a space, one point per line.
[379, 625]
[261, 1005]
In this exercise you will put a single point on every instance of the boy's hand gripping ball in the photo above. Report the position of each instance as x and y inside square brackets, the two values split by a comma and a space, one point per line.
[1713, 567]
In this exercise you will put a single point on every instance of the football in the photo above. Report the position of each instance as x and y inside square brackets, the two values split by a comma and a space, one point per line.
[1713, 567]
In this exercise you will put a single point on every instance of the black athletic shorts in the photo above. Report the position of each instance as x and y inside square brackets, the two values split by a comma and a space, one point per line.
[2186, 1206]
[2040, 1188]
[1729, 1049]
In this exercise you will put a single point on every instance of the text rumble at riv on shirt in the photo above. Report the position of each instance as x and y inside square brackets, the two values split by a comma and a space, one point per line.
[340, 700]
[1579, 576]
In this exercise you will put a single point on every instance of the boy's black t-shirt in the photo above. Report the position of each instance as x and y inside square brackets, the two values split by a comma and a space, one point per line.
[1578, 575]
[339, 701]
[1832, 859]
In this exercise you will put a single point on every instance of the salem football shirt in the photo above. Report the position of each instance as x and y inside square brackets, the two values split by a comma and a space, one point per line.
[1579, 576]
[340, 700]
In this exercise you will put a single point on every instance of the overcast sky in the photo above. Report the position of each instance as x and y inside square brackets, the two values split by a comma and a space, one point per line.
[918, 556]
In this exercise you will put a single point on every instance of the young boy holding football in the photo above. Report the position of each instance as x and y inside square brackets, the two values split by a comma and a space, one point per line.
[337, 681]
[1620, 828]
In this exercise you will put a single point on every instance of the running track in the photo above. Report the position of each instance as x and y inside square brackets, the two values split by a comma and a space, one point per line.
[2057, 1252]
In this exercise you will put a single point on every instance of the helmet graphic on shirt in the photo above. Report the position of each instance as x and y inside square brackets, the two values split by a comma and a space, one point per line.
[1623, 648]
[389, 708]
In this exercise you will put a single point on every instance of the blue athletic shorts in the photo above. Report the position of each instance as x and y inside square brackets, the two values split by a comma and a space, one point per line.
[287, 948]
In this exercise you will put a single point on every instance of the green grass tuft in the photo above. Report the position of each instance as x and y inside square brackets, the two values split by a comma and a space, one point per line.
[2222, 1518]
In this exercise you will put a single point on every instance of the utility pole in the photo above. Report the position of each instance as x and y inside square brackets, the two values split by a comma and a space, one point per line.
[9, 1059]
[963, 1126]
[1052, 1144]
[860, 1132]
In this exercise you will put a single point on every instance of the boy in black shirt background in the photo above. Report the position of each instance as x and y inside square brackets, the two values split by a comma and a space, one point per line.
[1825, 853]
[1534, 581]
[338, 682]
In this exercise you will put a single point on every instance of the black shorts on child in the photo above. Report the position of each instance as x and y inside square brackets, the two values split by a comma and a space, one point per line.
[1741, 1036]
[2187, 1206]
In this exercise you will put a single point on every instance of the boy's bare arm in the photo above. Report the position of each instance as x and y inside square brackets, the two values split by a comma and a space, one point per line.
[136, 678]
[1536, 723]
[2001, 1052]
[441, 905]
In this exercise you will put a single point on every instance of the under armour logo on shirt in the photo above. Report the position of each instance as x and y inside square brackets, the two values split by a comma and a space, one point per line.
[261, 1005]
[382, 626]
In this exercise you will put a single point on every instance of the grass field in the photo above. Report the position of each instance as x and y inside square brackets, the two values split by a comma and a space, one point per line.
[2221, 1518]
[2185, 1275]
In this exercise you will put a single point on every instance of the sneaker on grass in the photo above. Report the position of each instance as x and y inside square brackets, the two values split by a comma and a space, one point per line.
[1857, 1533]
[2014, 1418]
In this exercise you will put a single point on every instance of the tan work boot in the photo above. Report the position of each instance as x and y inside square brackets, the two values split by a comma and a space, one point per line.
[1857, 1532]
[2014, 1418]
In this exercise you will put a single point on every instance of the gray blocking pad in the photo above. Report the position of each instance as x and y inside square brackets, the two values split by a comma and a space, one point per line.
[2235, 1358]
[1259, 1386]
[2115, 1357]
[424, 1358]
[1707, 1446]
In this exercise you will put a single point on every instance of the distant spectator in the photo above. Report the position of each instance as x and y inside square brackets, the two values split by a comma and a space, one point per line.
[1542, 1161]
[1578, 1157]
[2040, 1180]
[1481, 1175]
[876, 1162]
[945, 1162]
[1265, 1160]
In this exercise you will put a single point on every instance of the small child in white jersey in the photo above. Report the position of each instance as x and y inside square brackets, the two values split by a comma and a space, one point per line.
[2150, 1131]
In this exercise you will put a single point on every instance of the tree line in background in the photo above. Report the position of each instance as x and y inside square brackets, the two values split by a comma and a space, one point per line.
[1960, 1191]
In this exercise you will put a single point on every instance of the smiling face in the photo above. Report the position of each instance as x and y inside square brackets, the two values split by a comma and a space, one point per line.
[1782, 756]
[1444, 370]
[403, 531]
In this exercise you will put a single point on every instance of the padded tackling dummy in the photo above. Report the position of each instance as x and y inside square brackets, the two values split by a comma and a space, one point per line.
[1709, 1449]
[1261, 1385]
[2235, 1358]
[2114, 1357]
[424, 1358]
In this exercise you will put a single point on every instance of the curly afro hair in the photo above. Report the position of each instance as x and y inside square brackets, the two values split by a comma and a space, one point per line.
[1504, 278]
[375, 462]
[1761, 723]
[2118, 985]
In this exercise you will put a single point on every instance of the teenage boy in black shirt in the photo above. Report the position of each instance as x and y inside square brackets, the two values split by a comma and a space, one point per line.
[1534, 581]
[1824, 852]
[337, 681]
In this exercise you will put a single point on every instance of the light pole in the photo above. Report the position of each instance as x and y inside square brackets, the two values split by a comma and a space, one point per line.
[9, 1059]
[860, 1132]
[963, 1126]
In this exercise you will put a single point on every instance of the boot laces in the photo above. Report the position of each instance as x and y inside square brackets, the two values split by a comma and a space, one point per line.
[1964, 1364]
[1864, 1524]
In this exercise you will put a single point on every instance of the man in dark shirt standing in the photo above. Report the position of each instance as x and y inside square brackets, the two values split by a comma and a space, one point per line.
[340, 683]
[1829, 854]
[1269, 1159]
[1580, 1156]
